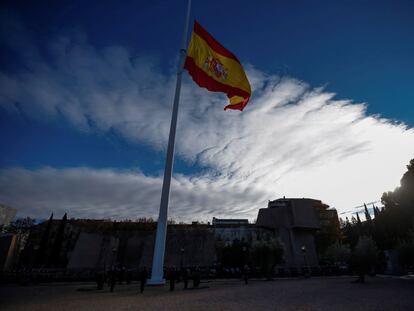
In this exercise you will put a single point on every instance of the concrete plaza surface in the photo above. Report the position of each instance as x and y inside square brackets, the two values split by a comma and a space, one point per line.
[336, 293]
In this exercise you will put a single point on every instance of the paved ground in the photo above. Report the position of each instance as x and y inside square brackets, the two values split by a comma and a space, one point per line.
[283, 294]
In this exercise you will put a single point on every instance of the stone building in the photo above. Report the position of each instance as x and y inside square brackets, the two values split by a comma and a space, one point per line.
[6, 214]
[98, 244]
[296, 222]
[9, 250]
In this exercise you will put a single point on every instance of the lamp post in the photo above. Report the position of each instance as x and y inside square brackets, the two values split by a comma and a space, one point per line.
[113, 257]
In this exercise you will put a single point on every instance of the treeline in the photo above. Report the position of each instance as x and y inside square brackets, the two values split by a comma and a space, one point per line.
[390, 231]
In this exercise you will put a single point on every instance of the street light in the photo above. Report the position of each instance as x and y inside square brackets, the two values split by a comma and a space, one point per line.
[113, 256]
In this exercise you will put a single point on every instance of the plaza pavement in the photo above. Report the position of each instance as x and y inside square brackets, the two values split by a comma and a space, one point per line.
[317, 293]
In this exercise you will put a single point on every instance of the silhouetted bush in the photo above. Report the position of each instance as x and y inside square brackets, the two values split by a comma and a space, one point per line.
[266, 254]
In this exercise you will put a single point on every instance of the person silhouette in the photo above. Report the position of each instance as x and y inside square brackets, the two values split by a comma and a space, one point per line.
[172, 276]
[143, 276]
[185, 274]
[112, 279]
[246, 271]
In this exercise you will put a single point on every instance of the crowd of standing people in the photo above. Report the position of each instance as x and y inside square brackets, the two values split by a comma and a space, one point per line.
[119, 274]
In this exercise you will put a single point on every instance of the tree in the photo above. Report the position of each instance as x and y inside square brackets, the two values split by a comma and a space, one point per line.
[21, 225]
[407, 185]
[406, 252]
[351, 232]
[327, 235]
[338, 253]
[364, 257]
[358, 219]
[367, 214]
[392, 225]
[230, 254]
[266, 254]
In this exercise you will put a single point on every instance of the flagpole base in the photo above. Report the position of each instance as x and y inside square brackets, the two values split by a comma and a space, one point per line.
[156, 281]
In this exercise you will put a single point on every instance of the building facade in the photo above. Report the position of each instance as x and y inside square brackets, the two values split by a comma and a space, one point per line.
[297, 221]
[6, 214]
[78, 244]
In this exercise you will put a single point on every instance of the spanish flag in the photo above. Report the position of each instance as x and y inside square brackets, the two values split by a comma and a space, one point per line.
[217, 69]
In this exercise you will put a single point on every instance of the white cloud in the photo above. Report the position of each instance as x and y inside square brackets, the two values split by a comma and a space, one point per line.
[89, 193]
[291, 139]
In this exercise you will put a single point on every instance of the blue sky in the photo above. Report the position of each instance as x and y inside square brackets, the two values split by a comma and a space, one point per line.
[86, 92]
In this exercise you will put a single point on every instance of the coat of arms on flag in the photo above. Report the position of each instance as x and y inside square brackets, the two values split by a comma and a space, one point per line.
[217, 69]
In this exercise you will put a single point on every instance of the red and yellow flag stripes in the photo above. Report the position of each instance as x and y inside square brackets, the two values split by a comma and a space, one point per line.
[217, 69]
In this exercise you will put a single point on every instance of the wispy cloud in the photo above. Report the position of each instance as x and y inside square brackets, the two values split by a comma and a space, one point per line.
[108, 193]
[291, 140]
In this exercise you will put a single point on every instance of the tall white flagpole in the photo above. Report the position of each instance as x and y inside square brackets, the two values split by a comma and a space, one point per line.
[159, 249]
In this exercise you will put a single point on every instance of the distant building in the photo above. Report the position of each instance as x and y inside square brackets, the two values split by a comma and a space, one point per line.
[217, 221]
[9, 243]
[6, 214]
[9, 249]
[297, 221]
[98, 244]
